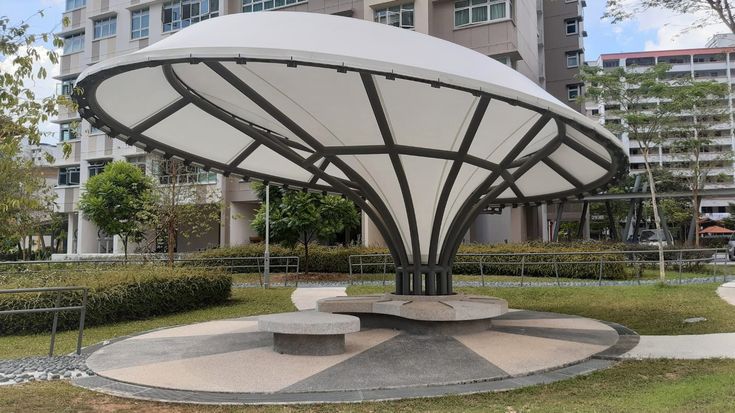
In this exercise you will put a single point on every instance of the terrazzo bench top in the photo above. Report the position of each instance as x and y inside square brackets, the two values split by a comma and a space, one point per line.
[309, 323]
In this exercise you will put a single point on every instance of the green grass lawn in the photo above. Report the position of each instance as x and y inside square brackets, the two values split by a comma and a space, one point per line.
[648, 309]
[243, 302]
[632, 386]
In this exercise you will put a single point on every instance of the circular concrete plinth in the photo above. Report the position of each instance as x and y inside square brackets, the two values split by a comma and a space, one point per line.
[443, 308]
[230, 361]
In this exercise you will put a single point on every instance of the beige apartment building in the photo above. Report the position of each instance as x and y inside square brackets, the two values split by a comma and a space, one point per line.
[542, 39]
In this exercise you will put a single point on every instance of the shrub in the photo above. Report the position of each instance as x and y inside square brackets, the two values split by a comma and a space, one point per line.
[336, 259]
[133, 293]
[539, 265]
[326, 259]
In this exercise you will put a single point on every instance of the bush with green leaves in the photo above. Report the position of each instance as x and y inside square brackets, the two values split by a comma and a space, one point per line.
[130, 293]
[577, 263]
[120, 201]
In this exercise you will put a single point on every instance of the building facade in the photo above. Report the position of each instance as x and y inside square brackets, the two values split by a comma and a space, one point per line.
[541, 39]
[710, 63]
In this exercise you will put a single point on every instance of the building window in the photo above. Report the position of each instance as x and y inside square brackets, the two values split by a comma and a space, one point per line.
[506, 60]
[97, 167]
[75, 4]
[172, 171]
[611, 63]
[399, 16]
[69, 175]
[74, 43]
[573, 92]
[571, 26]
[138, 161]
[139, 23]
[572, 59]
[178, 14]
[68, 132]
[260, 5]
[480, 11]
[66, 87]
[105, 27]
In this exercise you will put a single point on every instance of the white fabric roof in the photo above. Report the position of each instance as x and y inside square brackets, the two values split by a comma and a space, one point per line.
[317, 70]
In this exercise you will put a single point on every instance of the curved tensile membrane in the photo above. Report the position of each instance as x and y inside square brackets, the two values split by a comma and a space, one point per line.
[422, 140]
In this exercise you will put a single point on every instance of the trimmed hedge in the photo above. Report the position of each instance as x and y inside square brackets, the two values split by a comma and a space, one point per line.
[324, 259]
[115, 295]
[336, 259]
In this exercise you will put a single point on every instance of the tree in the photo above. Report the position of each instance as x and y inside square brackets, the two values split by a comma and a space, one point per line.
[302, 218]
[183, 205]
[25, 200]
[18, 102]
[640, 105]
[692, 142]
[120, 201]
[711, 11]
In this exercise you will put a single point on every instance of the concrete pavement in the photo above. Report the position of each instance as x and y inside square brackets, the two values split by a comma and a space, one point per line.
[306, 298]
[727, 292]
[689, 347]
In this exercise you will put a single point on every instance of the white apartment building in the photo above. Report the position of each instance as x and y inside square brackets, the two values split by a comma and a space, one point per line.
[710, 63]
[543, 39]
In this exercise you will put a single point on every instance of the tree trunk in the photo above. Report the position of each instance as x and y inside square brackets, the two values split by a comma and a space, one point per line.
[656, 218]
[695, 214]
[125, 247]
[171, 218]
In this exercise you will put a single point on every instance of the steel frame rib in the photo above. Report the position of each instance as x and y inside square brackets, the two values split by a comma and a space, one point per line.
[275, 145]
[441, 255]
[245, 153]
[463, 220]
[382, 218]
[385, 131]
[563, 173]
[464, 147]
[493, 194]
[102, 119]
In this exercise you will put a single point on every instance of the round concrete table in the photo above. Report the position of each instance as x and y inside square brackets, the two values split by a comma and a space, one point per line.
[309, 333]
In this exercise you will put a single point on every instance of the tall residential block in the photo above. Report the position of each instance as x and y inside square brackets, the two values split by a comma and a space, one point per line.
[711, 63]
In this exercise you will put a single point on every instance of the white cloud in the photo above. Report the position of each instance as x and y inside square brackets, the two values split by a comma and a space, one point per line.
[41, 87]
[674, 31]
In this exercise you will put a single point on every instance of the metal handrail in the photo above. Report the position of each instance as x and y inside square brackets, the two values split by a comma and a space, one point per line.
[358, 260]
[56, 309]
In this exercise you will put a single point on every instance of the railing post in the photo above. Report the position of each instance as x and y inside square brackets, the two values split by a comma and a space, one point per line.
[680, 265]
[82, 315]
[523, 268]
[385, 269]
[54, 325]
[724, 277]
[482, 272]
[349, 262]
[599, 281]
[556, 270]
[362, 271]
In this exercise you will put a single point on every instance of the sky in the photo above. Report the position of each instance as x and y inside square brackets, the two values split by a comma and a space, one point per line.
[652, 30]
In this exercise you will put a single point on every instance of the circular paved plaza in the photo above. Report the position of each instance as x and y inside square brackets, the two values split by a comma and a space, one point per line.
[230, 361]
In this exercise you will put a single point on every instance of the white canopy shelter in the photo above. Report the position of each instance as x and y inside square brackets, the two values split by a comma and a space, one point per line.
[421, 133]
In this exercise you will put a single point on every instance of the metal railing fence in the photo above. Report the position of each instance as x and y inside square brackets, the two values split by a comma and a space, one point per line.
[678, 259]
[289, 266]
[56, 309]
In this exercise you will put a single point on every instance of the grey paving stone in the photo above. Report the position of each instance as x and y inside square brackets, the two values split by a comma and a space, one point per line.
[129, 353]
[405, 360]
[600, 337]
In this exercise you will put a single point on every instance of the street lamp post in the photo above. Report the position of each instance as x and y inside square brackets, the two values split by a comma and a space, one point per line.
[267, 254]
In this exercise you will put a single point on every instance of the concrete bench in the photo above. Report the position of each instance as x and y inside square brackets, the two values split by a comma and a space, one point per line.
[309, 333]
